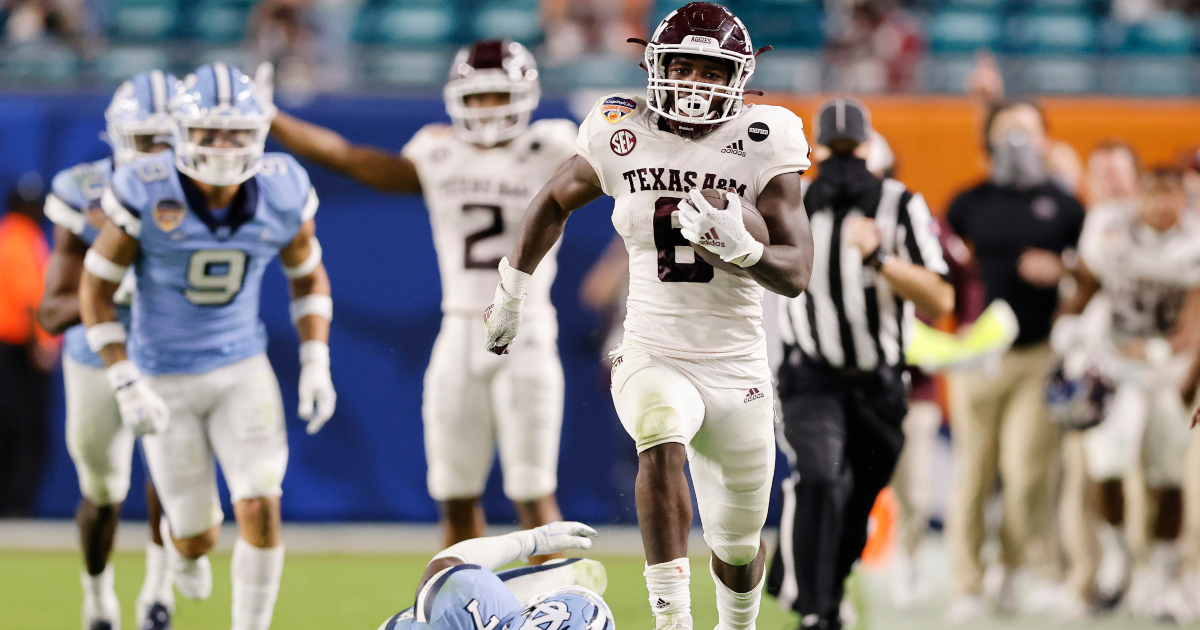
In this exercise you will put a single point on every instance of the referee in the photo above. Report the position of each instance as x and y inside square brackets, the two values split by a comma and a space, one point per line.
[842, 384]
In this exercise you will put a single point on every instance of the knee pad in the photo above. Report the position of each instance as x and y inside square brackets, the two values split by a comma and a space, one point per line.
[735, 550]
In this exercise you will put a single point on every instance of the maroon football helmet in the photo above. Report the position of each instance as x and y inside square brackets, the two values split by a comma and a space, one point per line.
[492, 66]
[701, 29]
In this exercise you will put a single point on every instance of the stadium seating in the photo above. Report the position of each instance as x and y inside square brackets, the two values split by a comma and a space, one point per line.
[1055, 33]
[220, 21]
[518, 20]
[963, 32]
[409, 23]
[143, 20]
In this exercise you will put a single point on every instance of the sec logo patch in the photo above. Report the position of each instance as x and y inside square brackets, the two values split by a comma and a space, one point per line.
[615, 109]
[167, 214]
[622, 142]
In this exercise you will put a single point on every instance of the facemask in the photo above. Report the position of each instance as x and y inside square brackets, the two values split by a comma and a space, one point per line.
[1016, 163]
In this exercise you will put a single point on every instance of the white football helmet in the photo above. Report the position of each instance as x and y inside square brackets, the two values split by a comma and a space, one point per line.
[138, 118]
[221, 120]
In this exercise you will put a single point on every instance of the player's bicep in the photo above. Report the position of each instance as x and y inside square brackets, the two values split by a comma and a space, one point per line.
[115, 245]
[575, 185]
[301, 246]
[383, 170]
[781, 204]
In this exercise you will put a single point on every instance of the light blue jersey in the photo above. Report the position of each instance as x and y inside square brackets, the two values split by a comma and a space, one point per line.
[463, 597]
[199, 277]
[74, 204]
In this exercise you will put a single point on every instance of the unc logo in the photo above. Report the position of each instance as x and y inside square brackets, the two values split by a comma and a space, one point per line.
[547, 616]
[622, 142]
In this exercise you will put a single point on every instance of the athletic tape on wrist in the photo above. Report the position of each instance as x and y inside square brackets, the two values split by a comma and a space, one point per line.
[314, 352]
[102, 267]
[104, 334]
[751, 259]
[309, 265]
[513, 281]
[315, 304]
[122, 374]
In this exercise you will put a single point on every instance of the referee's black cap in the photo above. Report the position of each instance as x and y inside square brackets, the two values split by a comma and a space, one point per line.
[842, 118]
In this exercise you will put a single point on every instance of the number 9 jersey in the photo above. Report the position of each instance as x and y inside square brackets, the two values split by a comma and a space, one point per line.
[477, 197]
[199, 272]
[679, 305]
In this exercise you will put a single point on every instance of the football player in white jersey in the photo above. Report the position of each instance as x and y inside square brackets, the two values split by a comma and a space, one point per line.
[1141, 329]
[477, 176]
[691, 380]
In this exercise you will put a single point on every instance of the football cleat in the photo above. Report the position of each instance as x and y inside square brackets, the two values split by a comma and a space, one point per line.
[158, 617]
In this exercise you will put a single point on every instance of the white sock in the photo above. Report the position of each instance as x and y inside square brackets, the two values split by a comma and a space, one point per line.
[669, 584]
[99, 598]
[256, 574]
[737, 611]
[158, 586]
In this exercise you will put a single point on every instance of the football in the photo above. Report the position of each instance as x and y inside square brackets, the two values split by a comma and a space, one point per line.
[750, 218]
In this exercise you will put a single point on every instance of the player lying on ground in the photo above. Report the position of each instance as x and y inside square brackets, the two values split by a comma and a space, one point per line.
[99, 443]
[691, 380]
[477, 178]
[203, 223]
[460, 589]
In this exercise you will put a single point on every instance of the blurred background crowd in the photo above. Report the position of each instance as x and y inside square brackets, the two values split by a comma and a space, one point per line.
[868, 46]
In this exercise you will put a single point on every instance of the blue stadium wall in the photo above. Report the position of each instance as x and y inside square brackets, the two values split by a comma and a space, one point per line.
[368, 463]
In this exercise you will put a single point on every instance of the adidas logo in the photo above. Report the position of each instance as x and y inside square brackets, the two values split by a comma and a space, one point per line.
[661, 603]
[753, 394]
[710, 238]
[735, 148]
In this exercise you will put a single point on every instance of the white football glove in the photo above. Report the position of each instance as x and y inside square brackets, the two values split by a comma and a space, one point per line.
[317, 398]
[556, 537]
[142, 409]
[721, 232]
[502, 319]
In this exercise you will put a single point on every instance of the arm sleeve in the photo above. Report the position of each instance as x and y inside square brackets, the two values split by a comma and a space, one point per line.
[583, 143]
[921, 235]
[791, 151]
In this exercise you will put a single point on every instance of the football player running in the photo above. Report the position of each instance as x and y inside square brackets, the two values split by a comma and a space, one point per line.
[690, 381]
[138, 125]
[1141, 330]
[202, 222]
[460, 588]
[477, 176]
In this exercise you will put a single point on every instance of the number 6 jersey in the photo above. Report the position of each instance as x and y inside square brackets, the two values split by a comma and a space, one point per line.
[199, 276]
[679, 305]
[476, 199]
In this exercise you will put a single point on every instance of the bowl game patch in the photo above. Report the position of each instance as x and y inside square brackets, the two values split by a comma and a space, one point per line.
[615, 109]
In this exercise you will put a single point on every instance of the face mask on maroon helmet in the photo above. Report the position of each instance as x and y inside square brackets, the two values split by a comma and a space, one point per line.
[706, 30]
[492, 66]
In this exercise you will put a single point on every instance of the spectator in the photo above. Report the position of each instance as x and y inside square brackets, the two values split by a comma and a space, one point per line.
[27, 354]
[876, 47]
[577, 27]
[1018, 224]
[1112, 175]
[29, 21]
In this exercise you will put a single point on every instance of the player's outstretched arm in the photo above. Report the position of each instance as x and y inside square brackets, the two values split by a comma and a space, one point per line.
[786, 264]
[379, 169]
[311, 311]
[104, 266]
[494, 552]
[572, 187]
[59, 309]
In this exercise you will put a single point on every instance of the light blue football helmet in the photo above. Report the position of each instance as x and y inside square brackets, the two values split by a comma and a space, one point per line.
[566, 608]
[138, 119]
[221, 119]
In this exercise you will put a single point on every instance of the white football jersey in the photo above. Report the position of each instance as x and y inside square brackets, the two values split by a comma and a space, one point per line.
[1145, 273]
[679, 305]
[476, 199]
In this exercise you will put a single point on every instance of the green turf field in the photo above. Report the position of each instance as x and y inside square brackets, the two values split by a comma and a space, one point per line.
[40, 591]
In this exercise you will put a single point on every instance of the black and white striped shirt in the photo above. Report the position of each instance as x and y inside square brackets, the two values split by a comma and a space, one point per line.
[849, 317]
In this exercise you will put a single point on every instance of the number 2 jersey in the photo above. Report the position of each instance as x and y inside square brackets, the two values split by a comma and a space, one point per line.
[74, 204]
[476, 199]
[1146, 274]
[679, 305]
[199, 276]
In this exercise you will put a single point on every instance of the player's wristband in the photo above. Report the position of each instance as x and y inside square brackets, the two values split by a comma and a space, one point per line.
[513, 281]
[104, 334]
[102, 267]
[315, 304]
[309, 265]
[314, 352]
[755, 255]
